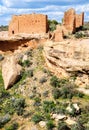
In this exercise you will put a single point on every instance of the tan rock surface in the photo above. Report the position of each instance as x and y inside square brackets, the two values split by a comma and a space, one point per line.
[10, 71]
[66, 57]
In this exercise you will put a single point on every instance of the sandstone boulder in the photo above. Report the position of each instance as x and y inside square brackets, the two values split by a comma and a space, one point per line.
[10, 71]
[42, 124]
[58, 117]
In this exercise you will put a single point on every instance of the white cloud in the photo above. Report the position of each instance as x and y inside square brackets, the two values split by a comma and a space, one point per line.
[53, 11]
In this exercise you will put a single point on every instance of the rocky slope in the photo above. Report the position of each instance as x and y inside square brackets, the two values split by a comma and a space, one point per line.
[39, 100]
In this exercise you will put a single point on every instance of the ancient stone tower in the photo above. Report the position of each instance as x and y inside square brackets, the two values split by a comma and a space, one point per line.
[29, 23]
[72, 20]
[69, 20]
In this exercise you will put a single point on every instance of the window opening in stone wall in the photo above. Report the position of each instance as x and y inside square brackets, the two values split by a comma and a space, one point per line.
[13, 32]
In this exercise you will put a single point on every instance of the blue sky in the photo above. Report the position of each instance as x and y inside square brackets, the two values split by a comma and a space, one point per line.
[53, 8]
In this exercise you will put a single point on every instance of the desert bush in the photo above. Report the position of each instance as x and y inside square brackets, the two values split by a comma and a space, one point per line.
[4, 28]
[54, 81]
[50, 125]
[4, 120]
[79, 35]
[52, 24]
[30, 73]
[77, 126]
[13, 126]
[25, 63]
[56, 93]
[63, 126]
[60, 108]
[49, 106]
[19, 105]
[37, 118]
[4, 94]
[37, 101]
[14, 105]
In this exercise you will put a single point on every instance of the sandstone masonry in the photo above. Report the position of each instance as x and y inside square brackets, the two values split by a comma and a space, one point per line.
[72, 20]
[29, 23]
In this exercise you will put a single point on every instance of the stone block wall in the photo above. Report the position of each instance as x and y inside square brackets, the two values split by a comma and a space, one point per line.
[30, 23]
[72, 20]
[79, 20]
[69, 20]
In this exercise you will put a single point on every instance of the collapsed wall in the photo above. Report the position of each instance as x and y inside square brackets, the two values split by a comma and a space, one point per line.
[29, 23]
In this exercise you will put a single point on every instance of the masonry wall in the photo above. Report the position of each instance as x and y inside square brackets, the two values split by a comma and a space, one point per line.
[69, 20]
[30, 23]
[72, 21]
[79, 20]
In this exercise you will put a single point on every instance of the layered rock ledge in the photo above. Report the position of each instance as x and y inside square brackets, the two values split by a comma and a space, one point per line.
[68, 58]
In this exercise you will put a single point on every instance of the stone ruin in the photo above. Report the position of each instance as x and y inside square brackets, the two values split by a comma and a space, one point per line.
[38, 24]
[29, 23]
[71, 23]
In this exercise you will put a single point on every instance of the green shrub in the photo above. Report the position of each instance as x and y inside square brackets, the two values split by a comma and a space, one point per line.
[19, 105]
[50, 125]
[30, 73]
[14, 105]
[60, 108]
[56, 93]
[49, 106]
[13, 126]
[37, 101]
[52, 24]
[54, 81]
[79, 35]
[4, 119]
[37, 118]
[25, 63]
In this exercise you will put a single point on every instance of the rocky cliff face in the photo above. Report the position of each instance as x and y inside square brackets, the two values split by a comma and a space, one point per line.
[68, 58]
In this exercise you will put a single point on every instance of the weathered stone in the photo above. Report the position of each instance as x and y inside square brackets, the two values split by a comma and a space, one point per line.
[70, 121]
[25, 57]
[42, 124]
[70, 108]
[30, 23]
[58, 35]
[64, 30]
[10, 71]
[58, 117]
[68, 57]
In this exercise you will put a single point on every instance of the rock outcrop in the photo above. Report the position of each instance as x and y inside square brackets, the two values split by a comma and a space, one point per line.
[68, 58]
[10, 71]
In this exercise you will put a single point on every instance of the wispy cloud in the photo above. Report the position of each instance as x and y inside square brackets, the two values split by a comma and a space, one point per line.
[53, 8]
